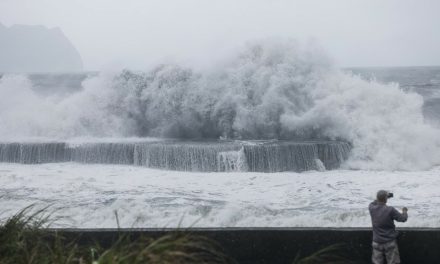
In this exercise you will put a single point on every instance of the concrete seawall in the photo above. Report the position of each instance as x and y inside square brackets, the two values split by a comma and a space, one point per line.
[281, 245]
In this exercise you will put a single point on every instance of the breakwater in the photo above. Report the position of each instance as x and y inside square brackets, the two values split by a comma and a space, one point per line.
[205, 156]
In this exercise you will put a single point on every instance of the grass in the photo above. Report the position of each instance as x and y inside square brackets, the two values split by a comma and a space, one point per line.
[172, 248]
[25, 239]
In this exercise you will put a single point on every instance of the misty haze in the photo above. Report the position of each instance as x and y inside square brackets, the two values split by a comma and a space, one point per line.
[36, 49]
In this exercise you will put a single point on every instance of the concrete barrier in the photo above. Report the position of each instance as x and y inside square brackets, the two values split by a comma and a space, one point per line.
[281, 245]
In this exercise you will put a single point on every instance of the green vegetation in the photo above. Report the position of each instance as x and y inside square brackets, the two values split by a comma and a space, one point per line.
[26, 239]
[172, 248]
[23, 239]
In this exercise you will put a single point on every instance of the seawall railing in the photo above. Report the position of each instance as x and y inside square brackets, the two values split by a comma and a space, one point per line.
[281, 245]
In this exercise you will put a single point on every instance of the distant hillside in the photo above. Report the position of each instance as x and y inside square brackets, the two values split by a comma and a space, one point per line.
[37, 49]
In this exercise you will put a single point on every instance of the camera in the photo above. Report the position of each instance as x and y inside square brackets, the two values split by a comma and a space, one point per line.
[390, 195]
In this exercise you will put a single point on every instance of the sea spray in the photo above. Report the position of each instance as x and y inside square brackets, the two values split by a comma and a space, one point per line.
[271, 90]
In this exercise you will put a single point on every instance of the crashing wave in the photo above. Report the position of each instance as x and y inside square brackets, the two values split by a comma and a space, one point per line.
[271, 90]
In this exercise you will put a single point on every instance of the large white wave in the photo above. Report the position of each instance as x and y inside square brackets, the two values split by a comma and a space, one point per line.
[271, 89]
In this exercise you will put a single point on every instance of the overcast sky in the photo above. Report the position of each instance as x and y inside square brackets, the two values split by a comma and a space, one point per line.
[138, 33]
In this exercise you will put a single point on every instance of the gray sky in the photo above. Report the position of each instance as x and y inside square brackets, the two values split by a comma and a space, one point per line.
[139, 33]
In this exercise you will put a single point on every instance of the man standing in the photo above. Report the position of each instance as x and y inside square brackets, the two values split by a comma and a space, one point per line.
[384, 230]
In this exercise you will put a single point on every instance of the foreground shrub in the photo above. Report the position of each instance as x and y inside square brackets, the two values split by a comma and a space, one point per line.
[26, 239]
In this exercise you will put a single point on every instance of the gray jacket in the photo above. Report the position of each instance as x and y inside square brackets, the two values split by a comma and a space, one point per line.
[382, 218]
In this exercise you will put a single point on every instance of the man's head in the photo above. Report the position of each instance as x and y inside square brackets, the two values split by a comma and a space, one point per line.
[382, 196]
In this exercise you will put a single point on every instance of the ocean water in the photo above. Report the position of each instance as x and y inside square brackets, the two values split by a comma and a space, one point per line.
[87, 196]
[177, 143]
[421, 80]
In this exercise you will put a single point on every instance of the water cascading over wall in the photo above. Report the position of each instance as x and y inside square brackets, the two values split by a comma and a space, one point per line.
[190, 156]
[102, 153]
[33, 153]
[213, 156]
[296, 156]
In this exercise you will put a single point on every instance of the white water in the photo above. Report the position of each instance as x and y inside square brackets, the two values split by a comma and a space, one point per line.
[269, 90]
[88, 195]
